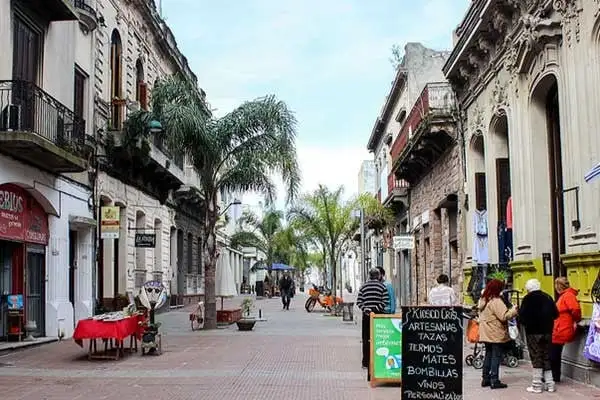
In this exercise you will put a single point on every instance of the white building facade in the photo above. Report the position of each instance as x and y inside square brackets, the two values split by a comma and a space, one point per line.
[47, 224]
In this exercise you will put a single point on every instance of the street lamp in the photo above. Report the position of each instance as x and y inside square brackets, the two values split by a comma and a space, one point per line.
[155, 126]
[235, 202]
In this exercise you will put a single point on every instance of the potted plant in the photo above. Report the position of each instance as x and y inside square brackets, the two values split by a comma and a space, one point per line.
[247, 322]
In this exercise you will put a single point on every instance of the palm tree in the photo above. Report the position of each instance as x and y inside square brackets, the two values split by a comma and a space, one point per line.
[235, 153]
[261, 234]
[330, 220]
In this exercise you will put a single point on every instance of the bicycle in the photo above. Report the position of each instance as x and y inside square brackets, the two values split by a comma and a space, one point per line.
[197, 317]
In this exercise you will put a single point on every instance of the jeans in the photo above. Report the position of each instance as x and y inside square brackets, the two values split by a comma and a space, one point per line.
[286, 298]
[366, 336]
[556, 360]
[491, 362]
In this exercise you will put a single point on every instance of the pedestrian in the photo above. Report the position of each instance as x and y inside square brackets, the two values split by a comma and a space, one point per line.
[493, 331]
[372, 298]
[537, 314]
[442, 294]
[565, 326]
[391, 307]
[285, 290]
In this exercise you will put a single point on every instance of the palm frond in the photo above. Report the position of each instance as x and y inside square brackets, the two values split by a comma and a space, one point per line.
[248, 239]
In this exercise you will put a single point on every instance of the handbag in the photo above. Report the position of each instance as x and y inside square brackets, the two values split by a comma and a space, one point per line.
[473, 331]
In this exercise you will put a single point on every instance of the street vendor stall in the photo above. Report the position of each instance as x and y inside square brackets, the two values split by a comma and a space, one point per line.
[113, 329]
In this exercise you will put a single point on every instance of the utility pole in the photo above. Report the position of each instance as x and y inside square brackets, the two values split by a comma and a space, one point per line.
[363, 264]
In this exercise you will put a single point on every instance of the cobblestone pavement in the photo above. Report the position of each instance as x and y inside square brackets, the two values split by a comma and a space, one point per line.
[293, 355]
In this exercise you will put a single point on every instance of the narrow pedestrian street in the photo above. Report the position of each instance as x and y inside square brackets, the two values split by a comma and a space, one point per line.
[292, 355]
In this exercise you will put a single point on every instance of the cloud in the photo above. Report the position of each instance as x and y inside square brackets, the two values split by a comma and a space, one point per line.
[329, 60]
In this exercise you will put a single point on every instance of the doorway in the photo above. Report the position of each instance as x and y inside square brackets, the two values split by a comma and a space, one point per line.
[72, 269]
[35, 288]
[548, 176]
[557, 215]
[5, 283]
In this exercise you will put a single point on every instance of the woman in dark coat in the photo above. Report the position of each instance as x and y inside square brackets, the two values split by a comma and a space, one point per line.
[537, 314]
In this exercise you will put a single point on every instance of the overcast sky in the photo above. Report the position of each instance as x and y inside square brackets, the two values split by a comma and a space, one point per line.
[329, 60]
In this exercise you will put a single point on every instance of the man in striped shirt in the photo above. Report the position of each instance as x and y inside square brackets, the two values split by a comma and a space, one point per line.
[372, 297]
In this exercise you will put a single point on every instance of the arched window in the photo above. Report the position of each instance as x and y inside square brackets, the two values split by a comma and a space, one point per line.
[116, 64]
[141, 91]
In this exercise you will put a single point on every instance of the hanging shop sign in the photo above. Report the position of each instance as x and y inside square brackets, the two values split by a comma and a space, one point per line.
[404, 242]
[145, 240]
[109, 222]
[22, 218]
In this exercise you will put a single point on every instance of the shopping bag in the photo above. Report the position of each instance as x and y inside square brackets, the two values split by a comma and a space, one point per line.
[473, 331]
[591, 350]
[513, 329]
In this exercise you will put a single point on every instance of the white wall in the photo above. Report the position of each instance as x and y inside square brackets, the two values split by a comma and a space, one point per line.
[65, 200]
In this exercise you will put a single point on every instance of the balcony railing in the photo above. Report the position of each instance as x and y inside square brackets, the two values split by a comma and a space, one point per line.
[435, 98]
[394, 183]
[162, 145]
[24, 107]
[82, 5]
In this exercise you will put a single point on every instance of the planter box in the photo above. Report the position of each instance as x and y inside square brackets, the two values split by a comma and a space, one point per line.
[229, 316]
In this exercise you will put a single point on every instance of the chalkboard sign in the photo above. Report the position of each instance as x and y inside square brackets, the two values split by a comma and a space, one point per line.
[386, 348]
[432, 349]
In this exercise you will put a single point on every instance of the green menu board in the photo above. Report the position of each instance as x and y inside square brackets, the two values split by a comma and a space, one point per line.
[386, 348]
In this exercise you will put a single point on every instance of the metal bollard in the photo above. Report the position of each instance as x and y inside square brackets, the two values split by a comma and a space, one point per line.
[259, 313]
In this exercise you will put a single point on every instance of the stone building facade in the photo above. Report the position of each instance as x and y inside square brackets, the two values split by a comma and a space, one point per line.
[431, 164]
[389, 137]
[133, 48]
[526, 76]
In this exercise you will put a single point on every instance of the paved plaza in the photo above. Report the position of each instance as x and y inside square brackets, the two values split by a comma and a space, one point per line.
[293, 355]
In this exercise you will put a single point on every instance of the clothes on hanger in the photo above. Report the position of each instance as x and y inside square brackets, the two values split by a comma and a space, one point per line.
[480, 237]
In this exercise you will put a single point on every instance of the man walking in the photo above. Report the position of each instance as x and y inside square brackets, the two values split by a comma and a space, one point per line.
[372, 298]
[391, 307]
[285, 289]
[442, 294]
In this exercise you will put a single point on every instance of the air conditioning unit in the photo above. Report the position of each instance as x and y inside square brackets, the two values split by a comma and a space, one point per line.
[11, 118]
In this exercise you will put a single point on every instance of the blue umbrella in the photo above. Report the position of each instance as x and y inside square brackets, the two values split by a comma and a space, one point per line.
[281, 267]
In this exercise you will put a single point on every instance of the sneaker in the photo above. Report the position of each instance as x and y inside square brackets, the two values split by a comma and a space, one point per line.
[485, 383]
[532, 389]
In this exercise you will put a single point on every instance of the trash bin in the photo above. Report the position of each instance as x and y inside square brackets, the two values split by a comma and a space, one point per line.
[347, 312]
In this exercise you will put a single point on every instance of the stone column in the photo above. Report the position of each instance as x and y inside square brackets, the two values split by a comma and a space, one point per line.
[84, 303]
[172, 277]
[59, 310]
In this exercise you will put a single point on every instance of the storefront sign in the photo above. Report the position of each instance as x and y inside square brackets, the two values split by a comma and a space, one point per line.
[109, 222]
[404, 242]
[22, 218]
[145, 240]
[386, 349]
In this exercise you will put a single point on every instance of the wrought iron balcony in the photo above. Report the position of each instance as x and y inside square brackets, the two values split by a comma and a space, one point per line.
[38, 129]
[88, 17]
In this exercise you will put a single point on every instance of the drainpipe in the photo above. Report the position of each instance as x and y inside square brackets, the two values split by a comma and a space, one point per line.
[461, 209]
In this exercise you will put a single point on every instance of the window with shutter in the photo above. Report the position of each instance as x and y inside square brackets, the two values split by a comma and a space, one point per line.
[480, 191]
[143, 95]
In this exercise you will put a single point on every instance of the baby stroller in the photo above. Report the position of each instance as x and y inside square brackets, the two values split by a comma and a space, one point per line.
[514, 348]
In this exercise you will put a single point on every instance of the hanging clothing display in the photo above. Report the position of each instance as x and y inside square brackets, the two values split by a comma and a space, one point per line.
[591, 350]
[480, 237]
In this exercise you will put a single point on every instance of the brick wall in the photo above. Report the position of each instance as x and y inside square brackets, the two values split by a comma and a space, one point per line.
[434, 254]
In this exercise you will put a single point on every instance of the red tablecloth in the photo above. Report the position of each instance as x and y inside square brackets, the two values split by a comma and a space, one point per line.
[119, 330]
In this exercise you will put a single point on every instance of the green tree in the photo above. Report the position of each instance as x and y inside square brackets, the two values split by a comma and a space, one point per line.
[261, 234]
[376, 215]
[327, 217]
[237, 153]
